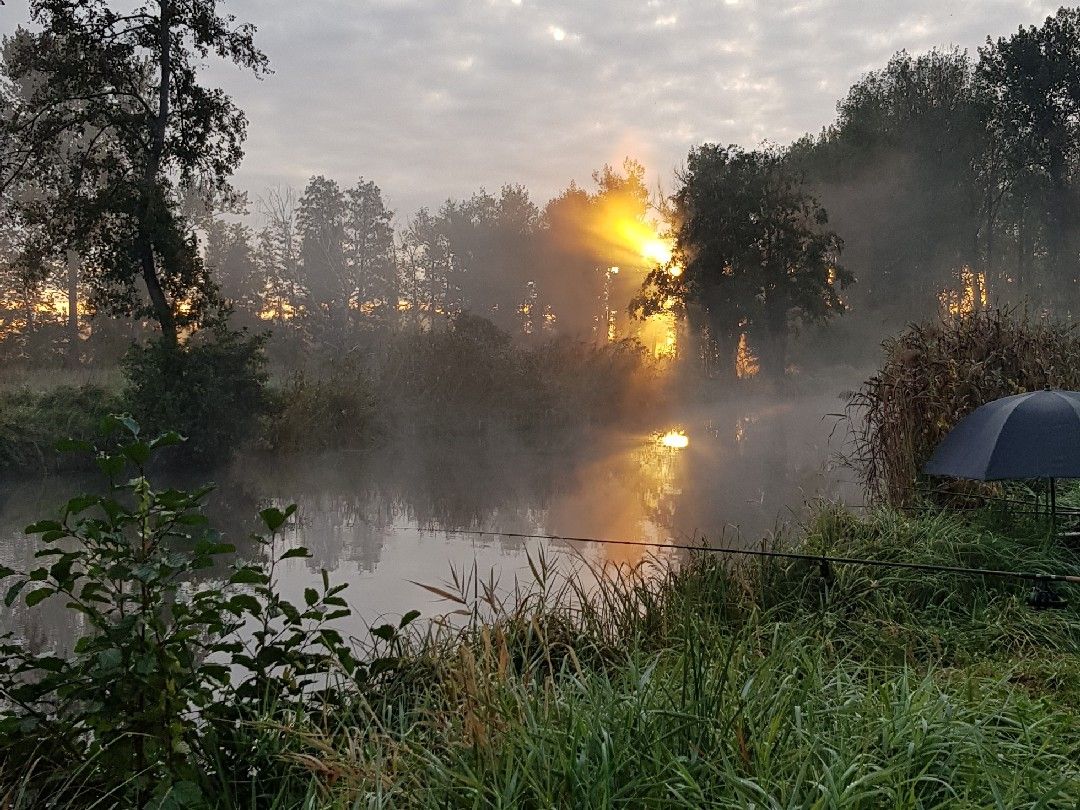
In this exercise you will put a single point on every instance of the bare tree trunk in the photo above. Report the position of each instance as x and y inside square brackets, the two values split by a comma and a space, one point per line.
[163, 312]
[73, 307]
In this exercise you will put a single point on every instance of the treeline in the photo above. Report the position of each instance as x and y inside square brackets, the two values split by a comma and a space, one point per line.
[948, 180]
[946, 161]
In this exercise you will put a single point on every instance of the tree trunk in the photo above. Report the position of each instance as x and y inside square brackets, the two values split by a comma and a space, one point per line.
[162, 308]
[73, 307]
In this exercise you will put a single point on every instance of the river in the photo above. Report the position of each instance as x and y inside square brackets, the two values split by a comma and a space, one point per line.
[410, 511]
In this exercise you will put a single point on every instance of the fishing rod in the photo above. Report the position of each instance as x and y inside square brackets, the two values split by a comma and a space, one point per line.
[1040, 596]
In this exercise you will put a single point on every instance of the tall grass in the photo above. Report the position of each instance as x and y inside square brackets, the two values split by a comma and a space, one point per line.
[936, 373]
[717, 685]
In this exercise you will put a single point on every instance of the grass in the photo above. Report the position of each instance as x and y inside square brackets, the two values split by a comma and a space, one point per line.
[713, 686]
[707, 684]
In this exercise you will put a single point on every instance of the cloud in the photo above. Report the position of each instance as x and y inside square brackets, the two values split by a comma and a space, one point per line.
[435, 98]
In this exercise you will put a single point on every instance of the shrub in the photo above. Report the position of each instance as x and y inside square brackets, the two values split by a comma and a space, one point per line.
[31, 422]
[336, 410]
[180, 659]
[211, 390]
[935, 374]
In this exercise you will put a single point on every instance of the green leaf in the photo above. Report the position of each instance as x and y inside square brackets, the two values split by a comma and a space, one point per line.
[409, 618]
[299, 551]
[167, 439]
[311, 596]
[38, 595]
[44, 526]
[248, 576]
[111, 465]
[74, 446]
[386, 632]
[13, 592]
[137, 452]
[6, 572]
[272, 517]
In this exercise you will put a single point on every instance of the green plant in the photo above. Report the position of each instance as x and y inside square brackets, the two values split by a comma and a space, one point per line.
[176, 648]
[212, 389]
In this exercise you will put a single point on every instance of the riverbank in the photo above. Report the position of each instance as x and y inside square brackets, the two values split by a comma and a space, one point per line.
[701, 685]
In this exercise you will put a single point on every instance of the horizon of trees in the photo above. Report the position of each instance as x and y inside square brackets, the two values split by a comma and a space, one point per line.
[946, 180]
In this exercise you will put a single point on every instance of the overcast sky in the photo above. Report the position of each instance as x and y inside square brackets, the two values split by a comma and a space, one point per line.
[435, 99]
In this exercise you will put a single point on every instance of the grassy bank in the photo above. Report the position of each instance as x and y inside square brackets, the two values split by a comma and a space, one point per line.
[764, 684]
[761, 686]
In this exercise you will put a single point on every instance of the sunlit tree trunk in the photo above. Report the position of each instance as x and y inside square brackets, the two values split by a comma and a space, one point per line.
[73, 307]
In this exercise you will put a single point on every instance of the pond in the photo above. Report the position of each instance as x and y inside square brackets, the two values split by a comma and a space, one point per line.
[412, 510]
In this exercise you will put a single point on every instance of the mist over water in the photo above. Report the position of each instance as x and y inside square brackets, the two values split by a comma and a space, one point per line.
[408, 511]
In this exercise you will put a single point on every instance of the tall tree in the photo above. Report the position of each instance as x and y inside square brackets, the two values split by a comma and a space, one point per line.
[1032, 82]
[369, 255]
[321, 221]
[127, 83]
[755, 250]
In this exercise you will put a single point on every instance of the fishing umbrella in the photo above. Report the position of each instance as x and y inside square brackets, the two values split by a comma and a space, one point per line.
[1034, 435]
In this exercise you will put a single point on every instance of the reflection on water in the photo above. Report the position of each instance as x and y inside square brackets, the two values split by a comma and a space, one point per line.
[383, 520]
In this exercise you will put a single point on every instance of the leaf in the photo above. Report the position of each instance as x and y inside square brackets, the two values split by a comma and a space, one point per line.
[74, 446]
[6, 572]
[439, 592]
[44, 526]
[245, 601]
[38, 595]
[111, 465]
[311, 596]
[272, 517]
[386, 632]
[137, 452]
[248, 576]
[167, 439]
[299, 551]
[409, 618]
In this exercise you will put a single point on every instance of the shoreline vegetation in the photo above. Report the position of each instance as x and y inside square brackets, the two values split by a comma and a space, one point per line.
[703, 684]
[709, 682]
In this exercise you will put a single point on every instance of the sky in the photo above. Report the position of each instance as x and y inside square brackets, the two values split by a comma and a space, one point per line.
[438, 98]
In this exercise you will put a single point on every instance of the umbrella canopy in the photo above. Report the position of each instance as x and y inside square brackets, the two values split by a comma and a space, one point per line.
[1035, 435]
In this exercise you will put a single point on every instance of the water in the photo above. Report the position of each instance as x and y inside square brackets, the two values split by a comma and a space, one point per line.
[403, 513]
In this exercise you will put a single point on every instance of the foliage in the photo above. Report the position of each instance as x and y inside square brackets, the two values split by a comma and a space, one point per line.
[211, 389]
[473, 375]
[754, 251]
[937, 372]
[31, 422]
[336, 410]
[111, 128]
[712, 684]
[176, 650]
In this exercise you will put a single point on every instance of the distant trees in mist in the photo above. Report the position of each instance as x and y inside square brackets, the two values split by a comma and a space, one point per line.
[947, 179]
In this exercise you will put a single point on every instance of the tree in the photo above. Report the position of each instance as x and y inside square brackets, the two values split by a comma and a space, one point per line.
[754, 248]
[120, 90]
[321, 222]
[369, 256]
[901, 172]
[1032, 84]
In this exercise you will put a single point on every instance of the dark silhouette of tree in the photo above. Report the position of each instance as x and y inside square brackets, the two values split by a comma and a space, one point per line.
[370, 258]
[127, 84]
[901, 174]
[320, 220]
[1031, 82]
[755, 252]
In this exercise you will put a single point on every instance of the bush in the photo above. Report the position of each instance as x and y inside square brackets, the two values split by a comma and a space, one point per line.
[181, 657]
[937, 373]
[337, 410]
[212, 390]
[32, 422]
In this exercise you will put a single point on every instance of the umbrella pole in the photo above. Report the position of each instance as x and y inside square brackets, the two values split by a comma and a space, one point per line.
[1053, 506]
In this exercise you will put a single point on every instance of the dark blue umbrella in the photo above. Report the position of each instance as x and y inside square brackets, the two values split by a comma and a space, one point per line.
[1035, 435]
